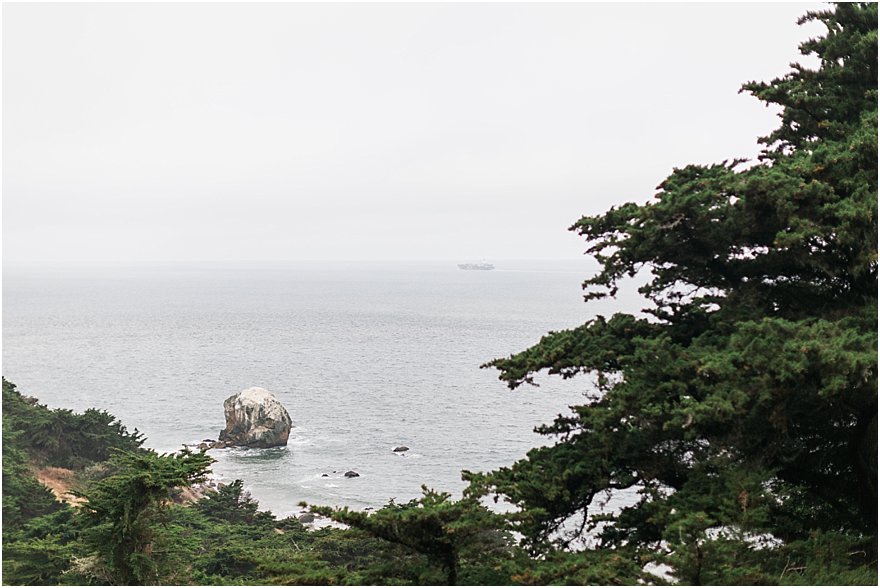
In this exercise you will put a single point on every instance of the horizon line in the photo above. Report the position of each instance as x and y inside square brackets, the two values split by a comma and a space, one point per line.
[293, 260]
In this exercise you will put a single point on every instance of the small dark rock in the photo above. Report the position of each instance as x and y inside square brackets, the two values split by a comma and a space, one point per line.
[352, 474]
[306, 518]
[204, 446]
[207, 440]
[400, 449]
[324, 476]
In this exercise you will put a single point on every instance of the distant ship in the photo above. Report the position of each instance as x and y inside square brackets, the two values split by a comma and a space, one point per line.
[476, 266]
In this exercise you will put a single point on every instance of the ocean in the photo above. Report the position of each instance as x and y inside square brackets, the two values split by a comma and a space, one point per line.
[365, 356]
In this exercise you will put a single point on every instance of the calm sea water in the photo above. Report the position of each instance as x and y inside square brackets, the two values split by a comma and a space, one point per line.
[365, 356]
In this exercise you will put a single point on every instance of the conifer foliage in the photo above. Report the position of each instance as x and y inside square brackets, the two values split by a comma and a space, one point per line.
[743, 404]
[124, 508]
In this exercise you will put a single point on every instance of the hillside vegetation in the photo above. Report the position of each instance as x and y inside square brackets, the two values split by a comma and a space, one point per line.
[741, 409]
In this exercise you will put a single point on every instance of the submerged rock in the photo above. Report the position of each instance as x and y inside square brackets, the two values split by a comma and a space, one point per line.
[400, 449]
[254, 418]
[352, 474]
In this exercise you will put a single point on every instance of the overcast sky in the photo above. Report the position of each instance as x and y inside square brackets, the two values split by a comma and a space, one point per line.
[359, 131]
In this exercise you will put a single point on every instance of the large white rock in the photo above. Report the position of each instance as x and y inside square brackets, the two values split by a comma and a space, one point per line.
[255, 418]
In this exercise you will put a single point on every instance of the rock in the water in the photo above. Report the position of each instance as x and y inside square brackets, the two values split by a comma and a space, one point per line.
[352, 474]
[324, 476]
[255, 418]
[400, 449]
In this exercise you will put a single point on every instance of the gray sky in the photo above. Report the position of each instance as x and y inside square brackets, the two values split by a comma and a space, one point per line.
[363, 131]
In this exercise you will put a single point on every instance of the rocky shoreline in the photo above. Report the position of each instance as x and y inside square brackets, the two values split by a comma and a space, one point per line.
[255, 419]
